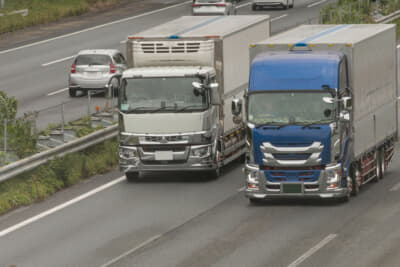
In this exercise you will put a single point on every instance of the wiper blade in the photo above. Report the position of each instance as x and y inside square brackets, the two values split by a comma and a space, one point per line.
[272, 123]
[187, 107]
[133, 110]
[309, 125]
[158, 109]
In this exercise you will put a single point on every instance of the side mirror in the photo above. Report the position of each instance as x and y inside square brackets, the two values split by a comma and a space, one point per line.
[197, 85]
[344, 115]
[215, 100]
[236, 106]
[347, 104]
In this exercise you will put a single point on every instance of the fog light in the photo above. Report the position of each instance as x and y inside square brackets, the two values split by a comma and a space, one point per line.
[200, 152]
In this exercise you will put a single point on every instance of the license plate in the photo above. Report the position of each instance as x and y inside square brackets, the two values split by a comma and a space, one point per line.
[164, 155]
[292, 188]
[93, 74]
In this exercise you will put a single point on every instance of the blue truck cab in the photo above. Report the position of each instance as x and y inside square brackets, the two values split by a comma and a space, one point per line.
[310, 114]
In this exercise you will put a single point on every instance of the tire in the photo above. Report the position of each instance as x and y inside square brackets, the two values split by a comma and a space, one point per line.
[292, 5]
[284, 7]
[255, 201]
[72, 92]
[349, 182]
[214, 174]
[254, 7]
[132, 176]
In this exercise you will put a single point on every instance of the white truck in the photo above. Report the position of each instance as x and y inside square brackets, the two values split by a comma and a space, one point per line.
[321, 110]
[175, 96]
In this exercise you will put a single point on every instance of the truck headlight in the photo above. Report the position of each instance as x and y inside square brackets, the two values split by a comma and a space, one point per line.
[252, 178]
[201, 151]
[333, 176]
[127, 153]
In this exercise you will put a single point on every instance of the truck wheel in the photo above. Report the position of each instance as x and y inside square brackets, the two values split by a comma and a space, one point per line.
[132, 176]
[254, 7]
[349, 181]
[214, 174]
[72, 92]
[284, 7]
[292, 5]
[255, 201]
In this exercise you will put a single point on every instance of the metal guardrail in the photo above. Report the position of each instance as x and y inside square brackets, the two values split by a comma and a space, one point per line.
[389, 18]
[36, 160]
[23, 12]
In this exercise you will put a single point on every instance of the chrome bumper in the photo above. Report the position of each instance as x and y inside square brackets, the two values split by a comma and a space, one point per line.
[138, 159]
[261, 188]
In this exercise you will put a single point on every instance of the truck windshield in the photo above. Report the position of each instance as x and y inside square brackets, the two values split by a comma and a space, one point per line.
[283, 108]
[158, 94]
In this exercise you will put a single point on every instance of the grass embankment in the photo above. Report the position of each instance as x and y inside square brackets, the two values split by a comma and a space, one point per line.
[36, 185]
[45, 11]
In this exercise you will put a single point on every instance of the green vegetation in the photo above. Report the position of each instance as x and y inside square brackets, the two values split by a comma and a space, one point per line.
[57, 174]
[44, 11]
[357, 11]
[20, 138]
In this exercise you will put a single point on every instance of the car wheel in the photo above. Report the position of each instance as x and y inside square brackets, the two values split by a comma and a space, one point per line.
[72, 92]
[284, 7]
[254, 7]
[132, 176]
[292, 5]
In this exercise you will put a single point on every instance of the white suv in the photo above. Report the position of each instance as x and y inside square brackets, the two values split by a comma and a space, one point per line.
[263, 3]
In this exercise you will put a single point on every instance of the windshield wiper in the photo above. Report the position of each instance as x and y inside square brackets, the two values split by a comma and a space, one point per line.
[271, 123]
[309, 125]
[187, 107]
[133, 110]
[158, 109]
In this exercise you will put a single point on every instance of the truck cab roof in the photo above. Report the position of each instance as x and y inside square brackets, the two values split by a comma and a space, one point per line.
[168, 71]
[295, 70]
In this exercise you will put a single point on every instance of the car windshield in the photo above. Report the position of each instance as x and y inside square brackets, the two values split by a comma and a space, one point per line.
[283, 108]
[93, 59]
[209, 1]
[161, 95]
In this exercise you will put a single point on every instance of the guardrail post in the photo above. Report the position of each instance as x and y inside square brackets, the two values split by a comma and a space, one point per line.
[2, 3]
[62, 121]
[5, 136]
[89, 102]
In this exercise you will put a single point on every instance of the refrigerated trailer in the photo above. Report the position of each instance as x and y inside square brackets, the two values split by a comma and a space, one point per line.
[321, 110]
[175, 97]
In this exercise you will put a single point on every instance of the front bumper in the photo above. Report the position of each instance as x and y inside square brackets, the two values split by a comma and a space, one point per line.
[258, 187]
[135, 159]
[275, 3]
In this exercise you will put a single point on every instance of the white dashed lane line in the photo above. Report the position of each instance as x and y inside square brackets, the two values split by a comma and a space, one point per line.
[57, 61]
[316, 3]
[57, 92]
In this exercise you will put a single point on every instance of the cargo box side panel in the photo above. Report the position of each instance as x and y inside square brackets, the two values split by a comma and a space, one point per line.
[235, 65]
[374, 90]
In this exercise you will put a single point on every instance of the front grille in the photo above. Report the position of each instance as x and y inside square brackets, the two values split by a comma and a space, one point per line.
[163, 162]
[154, 148]
[161, 139]
[292, 156]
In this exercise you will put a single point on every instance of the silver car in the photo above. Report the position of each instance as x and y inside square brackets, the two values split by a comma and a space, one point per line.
[256, 4]
[213, 7]
[94, 69]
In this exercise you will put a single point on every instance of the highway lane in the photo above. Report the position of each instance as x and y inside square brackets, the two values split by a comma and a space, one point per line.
[44, 67]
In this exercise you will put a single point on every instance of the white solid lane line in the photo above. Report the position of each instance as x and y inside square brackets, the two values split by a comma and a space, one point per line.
[316, 3]
[123, 41]
[395, 187]
[60, 207]
[93, 28]
[242, 189]
[57, 92]
[148, 241]
[312, 250]
[280, 17]
[246, 4]
[57, 61]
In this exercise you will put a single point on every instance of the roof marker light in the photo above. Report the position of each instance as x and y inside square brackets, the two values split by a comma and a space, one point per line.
[330, 45]
[349, 45]
[134, 37]
[271, 45]
[301, 44]
[289, 45]
[174, 37]
[252, 45]
[211, 36]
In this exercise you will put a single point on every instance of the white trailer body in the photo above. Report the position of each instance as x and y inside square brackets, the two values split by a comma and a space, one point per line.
[212, 46]
[371, 57]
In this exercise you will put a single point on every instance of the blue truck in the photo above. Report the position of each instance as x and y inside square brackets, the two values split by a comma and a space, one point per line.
[320, 111]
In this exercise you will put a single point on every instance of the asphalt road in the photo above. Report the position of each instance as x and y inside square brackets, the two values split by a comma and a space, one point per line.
[183, 219]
